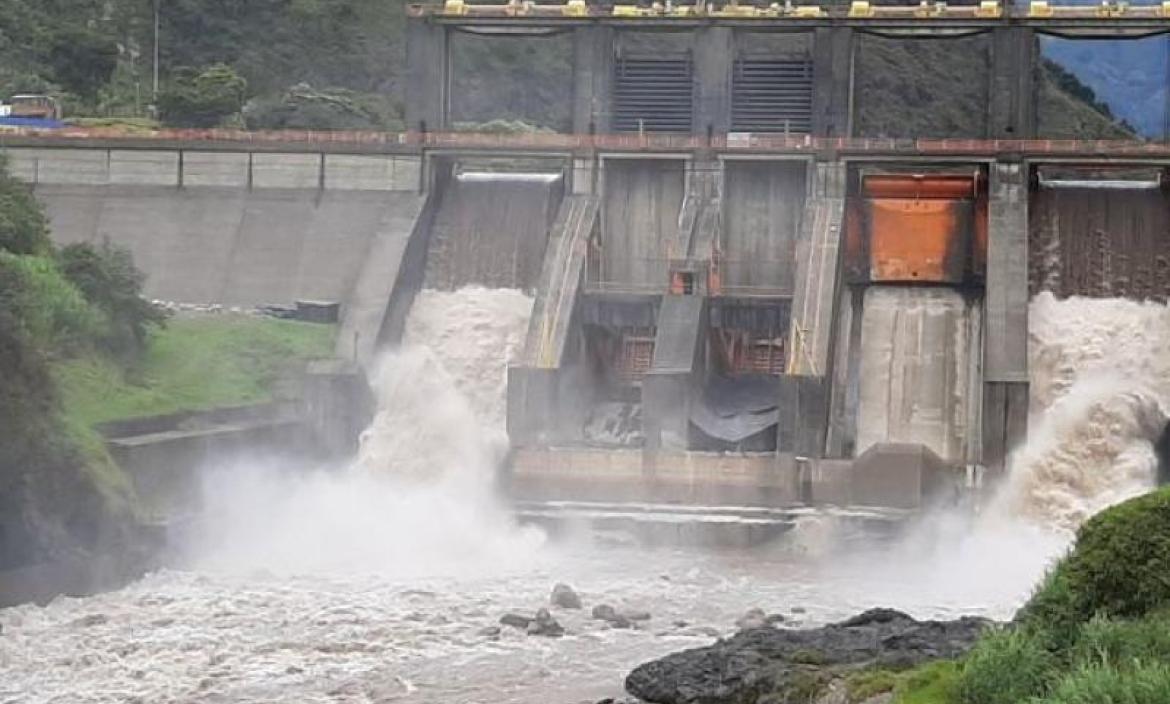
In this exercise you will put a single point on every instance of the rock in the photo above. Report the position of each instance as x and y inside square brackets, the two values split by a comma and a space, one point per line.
[545, 625]
[616, 619]
[762, 661]
[604, 612]
[798, 610]
[515, 620]
[773, 619]
[754, 618]
[564, 597]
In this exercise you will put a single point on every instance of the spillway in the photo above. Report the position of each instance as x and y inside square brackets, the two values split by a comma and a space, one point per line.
[916, 369]
[491, 229]
[1100, 237]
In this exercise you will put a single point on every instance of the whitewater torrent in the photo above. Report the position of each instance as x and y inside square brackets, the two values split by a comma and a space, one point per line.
[385, 582]
[418, 499]
[1100, 393]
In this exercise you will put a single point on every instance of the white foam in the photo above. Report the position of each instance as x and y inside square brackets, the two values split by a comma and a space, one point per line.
[1100, 388]
[419, 498]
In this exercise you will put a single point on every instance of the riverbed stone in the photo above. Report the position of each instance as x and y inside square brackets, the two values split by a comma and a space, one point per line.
[784, 664]
[564, 597]
[545, 625]
[604, 612]
[754, 618]
[516, 620]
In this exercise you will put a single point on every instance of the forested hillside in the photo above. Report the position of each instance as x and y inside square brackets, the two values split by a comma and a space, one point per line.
[340, 64]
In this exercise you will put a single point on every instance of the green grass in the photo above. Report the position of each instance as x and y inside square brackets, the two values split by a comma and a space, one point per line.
[928, 683]
[931, 683]
[195, 363]
[128, 124]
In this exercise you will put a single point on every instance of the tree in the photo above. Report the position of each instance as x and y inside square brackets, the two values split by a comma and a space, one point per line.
[304, 107]
[108, 279]
[82, 60]
[204, 98]
[23, 229]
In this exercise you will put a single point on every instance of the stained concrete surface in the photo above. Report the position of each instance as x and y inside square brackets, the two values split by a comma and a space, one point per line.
[763, 204]
[914, 373]
[640, 220]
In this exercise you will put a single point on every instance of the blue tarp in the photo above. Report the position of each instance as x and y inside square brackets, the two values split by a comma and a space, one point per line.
[31, 122]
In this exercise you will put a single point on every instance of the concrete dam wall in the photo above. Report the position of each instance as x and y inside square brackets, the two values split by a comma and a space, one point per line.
[231, 228]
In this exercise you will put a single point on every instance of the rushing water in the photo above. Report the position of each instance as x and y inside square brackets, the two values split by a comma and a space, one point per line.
[385, 582]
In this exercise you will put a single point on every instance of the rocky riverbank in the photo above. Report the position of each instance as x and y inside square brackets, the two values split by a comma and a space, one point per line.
[785, 666]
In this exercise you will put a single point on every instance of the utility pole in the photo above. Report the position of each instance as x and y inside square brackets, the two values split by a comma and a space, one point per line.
[154, 92]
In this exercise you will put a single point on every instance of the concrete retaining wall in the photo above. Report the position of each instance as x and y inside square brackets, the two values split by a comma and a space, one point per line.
[230, 228]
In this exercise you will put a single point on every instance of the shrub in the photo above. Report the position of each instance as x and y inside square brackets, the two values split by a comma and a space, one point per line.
[1120, 566]
[50, 309]
[1052, 612]
[109, 280]
[303, 107]
[23, 228]
[1120, 643]
[1006, 667]
[204, 98]
[1100, 684]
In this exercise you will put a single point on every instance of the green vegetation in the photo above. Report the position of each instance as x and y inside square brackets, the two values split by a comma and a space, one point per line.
[303, 107]
[195, 363]
[929, 683]
[59, 490]
[1096, 631]
[202, 98]
[79, 345]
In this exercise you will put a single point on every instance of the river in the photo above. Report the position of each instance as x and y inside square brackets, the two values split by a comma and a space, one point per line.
[385, 581]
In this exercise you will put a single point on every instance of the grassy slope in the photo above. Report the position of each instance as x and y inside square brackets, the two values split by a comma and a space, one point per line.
[195, 363]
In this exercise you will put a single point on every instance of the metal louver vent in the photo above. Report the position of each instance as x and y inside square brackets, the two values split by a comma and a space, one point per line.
[653, 93]
[772, 95]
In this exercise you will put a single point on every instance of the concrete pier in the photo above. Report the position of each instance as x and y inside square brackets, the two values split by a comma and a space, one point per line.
[1005, 357]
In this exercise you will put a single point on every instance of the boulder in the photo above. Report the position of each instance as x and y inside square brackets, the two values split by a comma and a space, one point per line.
[619, 619]
[545, 625]
[754, 618]
[604, 612]
[789, 664]
[515, 620]
[564, 597]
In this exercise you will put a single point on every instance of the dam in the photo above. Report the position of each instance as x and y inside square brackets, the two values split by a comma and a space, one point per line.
[726, 306]
[715, 322]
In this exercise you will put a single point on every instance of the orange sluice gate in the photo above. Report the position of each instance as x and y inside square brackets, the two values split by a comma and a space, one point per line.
[918, 227]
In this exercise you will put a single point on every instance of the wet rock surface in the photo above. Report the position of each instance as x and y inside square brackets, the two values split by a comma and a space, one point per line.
[790, 665]
[564, 597]
[515, 620]
[545, 625]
